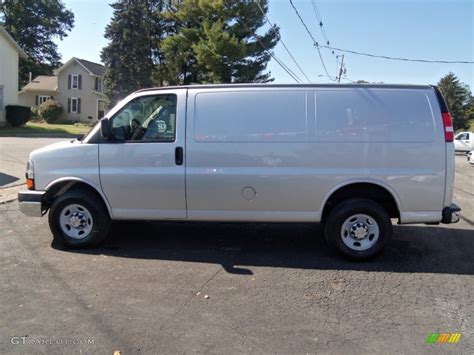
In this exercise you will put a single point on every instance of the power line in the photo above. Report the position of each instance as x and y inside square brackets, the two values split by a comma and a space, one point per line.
[315, 43]
[283, 43]
[328, 46]
[398, 58]
[320, 20]
[280, 62]
[285, 67]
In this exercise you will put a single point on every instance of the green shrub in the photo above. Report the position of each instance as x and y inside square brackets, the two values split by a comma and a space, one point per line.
[35, 116]
[50, 111]
[17, 115]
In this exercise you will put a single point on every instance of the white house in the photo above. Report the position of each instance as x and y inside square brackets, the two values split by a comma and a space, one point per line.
[10, 52]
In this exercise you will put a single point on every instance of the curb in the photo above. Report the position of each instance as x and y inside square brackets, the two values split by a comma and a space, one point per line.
[3, 202]
[10, 186]
[10, 194]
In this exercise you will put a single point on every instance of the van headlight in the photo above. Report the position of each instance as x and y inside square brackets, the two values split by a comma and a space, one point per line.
[30, 175]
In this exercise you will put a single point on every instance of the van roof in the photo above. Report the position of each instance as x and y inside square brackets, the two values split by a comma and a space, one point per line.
[260, 85]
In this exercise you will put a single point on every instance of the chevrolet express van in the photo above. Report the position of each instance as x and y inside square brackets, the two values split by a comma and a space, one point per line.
[352, 157]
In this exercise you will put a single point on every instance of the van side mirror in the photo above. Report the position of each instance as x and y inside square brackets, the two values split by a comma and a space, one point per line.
[105, 129]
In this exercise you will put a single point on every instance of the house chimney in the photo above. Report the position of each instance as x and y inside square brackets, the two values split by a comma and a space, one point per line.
[29, 77]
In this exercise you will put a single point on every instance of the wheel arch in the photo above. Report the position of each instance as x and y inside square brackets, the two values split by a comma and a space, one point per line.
[370, 189]
[60, 186]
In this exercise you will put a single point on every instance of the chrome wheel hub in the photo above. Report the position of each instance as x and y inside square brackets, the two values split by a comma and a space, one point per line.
[360, 232]
[76, 221]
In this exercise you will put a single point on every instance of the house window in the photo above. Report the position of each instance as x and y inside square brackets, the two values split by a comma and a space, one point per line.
[98, 84]
[42, 99]
[73, 105]
[101, 107]
[1, 98]
[75, 81]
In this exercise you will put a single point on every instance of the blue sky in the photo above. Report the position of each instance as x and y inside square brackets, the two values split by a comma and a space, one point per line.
[440, 30]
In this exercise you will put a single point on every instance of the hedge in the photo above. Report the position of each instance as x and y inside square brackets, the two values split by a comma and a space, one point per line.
[17, 115]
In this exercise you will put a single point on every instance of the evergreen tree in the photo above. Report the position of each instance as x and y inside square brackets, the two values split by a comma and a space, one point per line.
[216, 41]
[130, 57]
[34, 25]
[458, 98]
[470, 114]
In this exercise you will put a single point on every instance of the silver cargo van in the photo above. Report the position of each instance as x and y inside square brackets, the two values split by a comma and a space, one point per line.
[350, 156]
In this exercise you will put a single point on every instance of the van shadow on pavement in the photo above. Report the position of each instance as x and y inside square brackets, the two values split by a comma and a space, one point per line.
[6, 179]
[414, 249]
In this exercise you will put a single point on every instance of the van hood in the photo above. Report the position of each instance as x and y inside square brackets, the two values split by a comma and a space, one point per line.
[54, 146]
[68, 159]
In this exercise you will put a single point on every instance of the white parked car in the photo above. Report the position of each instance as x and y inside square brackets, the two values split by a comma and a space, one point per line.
[464, 142]
[349, 156]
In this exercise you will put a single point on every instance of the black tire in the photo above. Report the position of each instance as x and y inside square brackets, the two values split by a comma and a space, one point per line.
[100, 225]
[342, 212]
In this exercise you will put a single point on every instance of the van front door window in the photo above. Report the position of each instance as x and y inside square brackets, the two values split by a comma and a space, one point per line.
[146, 118]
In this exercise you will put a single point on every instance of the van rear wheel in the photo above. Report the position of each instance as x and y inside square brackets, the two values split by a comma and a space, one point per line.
[358, 228]
[79, 219]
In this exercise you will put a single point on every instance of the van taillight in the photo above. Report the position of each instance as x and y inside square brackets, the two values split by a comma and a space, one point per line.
[448, 127]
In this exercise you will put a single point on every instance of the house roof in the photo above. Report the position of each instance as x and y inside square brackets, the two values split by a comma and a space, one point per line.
[91, 67]
[94, 68]
[42, 83]
[9, 39]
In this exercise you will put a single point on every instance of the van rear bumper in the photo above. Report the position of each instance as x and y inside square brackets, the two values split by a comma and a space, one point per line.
[31, 203]
[451, 214]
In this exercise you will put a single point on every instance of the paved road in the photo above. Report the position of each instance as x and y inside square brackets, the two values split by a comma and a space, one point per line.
[464, 187]
[272, 289]
[14, 153]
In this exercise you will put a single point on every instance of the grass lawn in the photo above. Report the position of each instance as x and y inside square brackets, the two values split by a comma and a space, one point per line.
[38, 128]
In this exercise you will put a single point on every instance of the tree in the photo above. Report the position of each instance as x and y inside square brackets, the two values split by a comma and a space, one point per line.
[457, 96]
[134, 32]
[34, 25]
[180, 42]
[216, 41]
[470, 113]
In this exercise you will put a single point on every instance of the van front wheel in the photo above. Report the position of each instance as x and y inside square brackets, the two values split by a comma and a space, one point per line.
[358, 228]
[79, 219]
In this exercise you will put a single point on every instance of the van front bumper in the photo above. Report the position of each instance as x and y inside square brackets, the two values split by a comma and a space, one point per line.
[31, 203]
[451, 214]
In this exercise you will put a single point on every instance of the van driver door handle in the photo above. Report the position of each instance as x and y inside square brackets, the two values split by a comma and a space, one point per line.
[178, 155]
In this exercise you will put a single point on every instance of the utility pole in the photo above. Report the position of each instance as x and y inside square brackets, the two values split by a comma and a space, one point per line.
[341, 69]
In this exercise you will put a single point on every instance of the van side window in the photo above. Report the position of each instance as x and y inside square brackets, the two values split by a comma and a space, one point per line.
[250, 116]
[462, 137]
[373, 115]
[146, 118]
